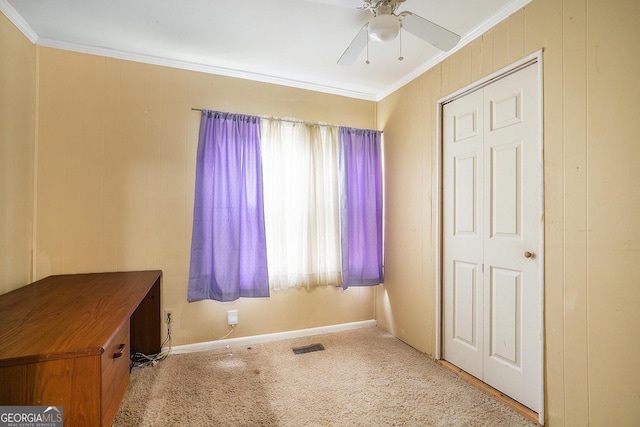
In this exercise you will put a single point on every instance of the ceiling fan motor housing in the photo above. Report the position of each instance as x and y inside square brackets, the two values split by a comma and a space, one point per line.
[377, 6]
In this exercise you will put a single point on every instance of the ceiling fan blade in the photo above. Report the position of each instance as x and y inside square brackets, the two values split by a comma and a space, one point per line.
[428, 31]
[355, 48]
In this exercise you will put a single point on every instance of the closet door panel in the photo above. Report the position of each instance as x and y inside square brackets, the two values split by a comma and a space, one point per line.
[463, 343]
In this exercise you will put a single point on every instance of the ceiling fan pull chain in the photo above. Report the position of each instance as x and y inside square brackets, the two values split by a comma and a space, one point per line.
[400, 58]
[367, 61]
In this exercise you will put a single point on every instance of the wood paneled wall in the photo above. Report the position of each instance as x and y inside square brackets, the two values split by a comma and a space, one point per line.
[592, 196]
[17, 101]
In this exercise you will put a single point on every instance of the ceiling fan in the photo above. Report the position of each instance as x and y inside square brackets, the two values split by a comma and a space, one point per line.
[386, 25]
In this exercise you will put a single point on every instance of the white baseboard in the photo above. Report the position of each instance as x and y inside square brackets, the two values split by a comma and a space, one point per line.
[259, 339]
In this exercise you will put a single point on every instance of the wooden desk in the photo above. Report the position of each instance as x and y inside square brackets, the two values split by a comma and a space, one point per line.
[65, 341]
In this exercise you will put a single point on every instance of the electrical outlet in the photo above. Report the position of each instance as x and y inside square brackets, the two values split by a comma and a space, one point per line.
[168, 316]
[232, 317]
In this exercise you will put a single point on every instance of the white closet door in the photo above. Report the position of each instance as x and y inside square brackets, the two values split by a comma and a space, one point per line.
[463, 222]
[491, 233]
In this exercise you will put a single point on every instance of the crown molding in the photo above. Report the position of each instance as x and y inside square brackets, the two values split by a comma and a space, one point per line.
[205, 68]
[18, 21]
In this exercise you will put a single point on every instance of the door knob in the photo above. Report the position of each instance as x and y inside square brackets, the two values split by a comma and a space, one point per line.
[528, 254]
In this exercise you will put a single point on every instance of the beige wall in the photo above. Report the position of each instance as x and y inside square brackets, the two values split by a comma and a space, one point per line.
[17, 100]
[116, 169]
[592, 199]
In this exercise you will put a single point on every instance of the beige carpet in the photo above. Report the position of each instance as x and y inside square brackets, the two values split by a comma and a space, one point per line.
[364, 377]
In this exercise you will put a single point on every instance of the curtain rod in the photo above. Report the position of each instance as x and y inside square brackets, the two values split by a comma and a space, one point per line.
[281, 119]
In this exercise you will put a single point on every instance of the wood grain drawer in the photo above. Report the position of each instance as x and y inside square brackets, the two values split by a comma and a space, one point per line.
[115, 373]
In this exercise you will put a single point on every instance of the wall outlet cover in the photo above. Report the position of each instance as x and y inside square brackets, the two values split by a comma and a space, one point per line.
[232, 317]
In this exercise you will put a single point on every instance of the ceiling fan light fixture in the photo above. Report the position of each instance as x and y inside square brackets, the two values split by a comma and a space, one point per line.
[384, 28]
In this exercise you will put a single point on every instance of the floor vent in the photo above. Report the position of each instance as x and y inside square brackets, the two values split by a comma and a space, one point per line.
[308, 348]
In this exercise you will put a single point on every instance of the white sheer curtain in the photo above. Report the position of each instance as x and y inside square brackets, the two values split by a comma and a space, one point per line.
[301, 203]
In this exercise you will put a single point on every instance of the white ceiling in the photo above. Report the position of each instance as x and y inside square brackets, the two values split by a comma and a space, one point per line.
[290, 42]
